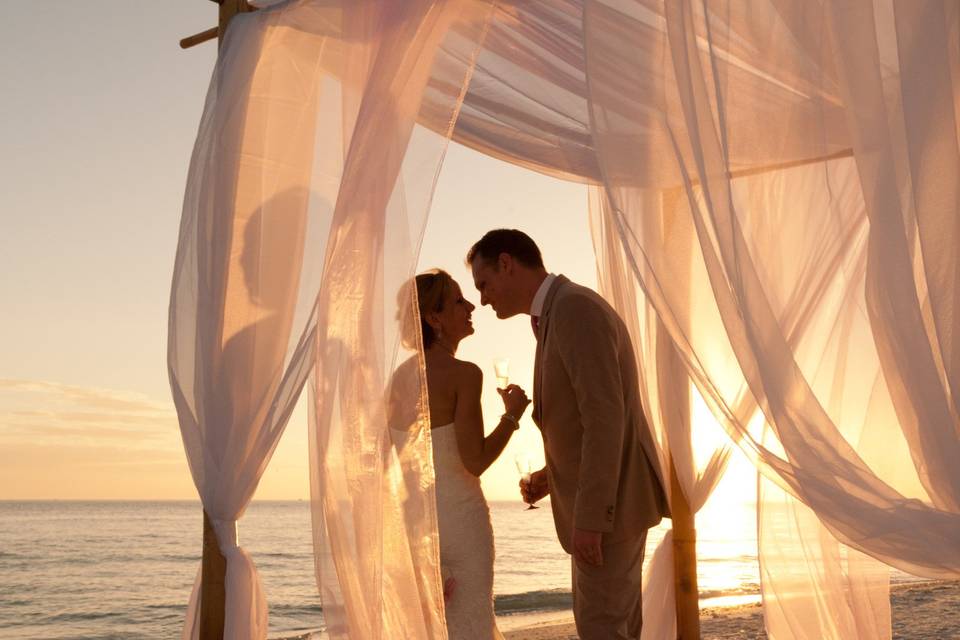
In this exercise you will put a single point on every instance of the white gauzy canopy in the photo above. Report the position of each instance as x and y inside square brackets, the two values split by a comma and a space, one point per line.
[775, 207]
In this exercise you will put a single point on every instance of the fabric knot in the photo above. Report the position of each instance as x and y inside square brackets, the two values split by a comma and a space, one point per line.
[227, 536]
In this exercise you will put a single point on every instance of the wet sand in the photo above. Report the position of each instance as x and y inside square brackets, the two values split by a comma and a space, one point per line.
[924, 611]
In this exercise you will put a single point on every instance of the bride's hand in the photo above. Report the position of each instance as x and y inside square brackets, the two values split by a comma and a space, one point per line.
[515, 400]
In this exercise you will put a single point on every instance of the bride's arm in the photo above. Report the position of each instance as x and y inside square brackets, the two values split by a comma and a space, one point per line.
[476, 451]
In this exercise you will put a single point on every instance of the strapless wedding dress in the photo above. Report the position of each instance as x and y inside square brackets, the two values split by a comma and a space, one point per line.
[466, 542]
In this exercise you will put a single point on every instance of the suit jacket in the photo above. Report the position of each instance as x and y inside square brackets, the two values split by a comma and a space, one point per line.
[601, 462]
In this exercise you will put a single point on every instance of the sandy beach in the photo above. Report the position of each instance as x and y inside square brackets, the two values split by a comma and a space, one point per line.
[924, 611]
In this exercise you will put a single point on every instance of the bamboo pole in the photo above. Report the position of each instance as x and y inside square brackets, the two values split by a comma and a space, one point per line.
[228, 9]
[199, 38]
[780, 166]
[674, 389]
[213, 593]
[684, 562]
[213, 572]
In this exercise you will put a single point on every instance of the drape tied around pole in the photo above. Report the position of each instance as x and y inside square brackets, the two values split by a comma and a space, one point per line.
[245, 606]
[227, 535]
[245, 596]
[246, 603]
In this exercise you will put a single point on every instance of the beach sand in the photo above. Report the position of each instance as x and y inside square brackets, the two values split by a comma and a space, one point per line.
[923, 611]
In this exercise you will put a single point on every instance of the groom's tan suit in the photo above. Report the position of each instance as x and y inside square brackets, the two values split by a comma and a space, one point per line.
[602, 466]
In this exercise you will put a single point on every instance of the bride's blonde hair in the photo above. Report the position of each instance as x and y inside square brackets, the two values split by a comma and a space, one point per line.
[432, 287]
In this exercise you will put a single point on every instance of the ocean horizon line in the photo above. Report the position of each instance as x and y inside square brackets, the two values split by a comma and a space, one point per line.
[194, 500]
[254, 501]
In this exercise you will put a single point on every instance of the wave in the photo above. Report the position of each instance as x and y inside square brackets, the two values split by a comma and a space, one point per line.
[84, 616]
[181, 557]
[295, 609]
[547, 600]
[746, 589]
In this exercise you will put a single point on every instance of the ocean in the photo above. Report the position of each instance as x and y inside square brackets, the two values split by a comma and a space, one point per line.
[125, 569]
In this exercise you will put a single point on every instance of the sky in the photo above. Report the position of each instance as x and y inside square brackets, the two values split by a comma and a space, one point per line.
[101, 109]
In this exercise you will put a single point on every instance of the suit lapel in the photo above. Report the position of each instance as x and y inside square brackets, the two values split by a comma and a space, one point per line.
[542, 331]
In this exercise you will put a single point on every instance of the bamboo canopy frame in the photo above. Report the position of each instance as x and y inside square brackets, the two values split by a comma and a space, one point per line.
[212, 589]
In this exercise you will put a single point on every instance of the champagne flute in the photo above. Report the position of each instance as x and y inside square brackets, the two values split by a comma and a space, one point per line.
[525, 469]
[501, 367]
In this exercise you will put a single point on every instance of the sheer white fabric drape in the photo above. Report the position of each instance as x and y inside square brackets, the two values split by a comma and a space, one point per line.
[787, 254]
[779, 286]
[310, 175]
[241, 299]
[725, 103]
[374, 511]
[800, 158]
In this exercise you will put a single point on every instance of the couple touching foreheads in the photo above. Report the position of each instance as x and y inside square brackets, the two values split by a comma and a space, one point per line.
[602, 472]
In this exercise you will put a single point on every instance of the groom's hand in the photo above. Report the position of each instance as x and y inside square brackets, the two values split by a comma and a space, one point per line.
[537, 489]
[587, 547]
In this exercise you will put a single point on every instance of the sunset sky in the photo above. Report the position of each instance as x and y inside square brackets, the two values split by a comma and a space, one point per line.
[101, 110]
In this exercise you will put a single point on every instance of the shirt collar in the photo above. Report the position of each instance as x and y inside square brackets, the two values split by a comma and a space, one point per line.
[536, 308]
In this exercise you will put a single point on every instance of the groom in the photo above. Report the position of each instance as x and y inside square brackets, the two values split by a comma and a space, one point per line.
[602, 469]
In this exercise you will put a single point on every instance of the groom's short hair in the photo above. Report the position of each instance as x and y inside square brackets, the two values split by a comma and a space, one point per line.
[510, 241]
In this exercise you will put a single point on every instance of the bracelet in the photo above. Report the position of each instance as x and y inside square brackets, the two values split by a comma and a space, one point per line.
[516, 423]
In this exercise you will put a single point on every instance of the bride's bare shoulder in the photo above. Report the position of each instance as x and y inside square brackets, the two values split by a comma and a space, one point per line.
[468, 373]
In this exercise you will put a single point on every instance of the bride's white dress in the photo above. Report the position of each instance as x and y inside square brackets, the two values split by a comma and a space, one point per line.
[466, 542]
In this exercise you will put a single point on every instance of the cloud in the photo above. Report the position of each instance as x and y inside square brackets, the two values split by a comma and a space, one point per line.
[94, 416]
[37, 431]
[71, 442]
[41, 412]
[91, 397]
[57, 470]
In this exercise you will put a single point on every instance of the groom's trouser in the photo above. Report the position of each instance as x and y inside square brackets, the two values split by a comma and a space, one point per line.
[606, 599]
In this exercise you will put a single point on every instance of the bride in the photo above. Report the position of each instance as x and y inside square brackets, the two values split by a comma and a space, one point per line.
[461, 453]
